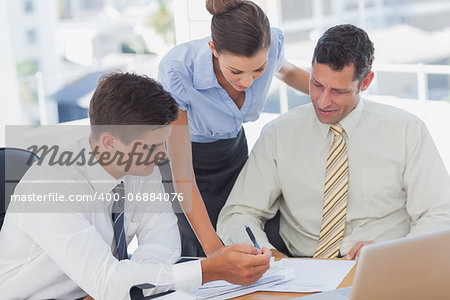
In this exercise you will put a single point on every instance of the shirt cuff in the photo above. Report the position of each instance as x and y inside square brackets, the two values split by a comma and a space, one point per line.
[188, 276]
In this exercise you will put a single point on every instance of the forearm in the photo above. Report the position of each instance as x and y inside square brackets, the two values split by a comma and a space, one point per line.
[209, 271]
[295, 77]
[197, 215]
[184, 179]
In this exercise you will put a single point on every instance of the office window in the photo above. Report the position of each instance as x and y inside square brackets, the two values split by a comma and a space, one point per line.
[65, 9]
[294, 10]
[92, 4]
[31, 36]
[28, 6]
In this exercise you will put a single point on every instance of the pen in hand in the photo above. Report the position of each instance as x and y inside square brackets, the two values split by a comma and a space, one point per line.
[252, 237]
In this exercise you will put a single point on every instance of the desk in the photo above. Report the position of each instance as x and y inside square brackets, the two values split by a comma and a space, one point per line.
[348, 280]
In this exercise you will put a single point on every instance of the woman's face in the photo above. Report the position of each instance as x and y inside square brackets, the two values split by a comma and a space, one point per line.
[241, 71]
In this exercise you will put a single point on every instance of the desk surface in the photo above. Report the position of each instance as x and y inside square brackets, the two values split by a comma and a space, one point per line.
[348, 280]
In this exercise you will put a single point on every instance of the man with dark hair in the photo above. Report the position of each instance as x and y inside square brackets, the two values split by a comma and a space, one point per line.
[350, 171]
[343, 45]
[130, 99]
[74, 241]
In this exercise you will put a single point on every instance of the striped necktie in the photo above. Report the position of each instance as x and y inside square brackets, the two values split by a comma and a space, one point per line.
[335, 197]
[120, 250]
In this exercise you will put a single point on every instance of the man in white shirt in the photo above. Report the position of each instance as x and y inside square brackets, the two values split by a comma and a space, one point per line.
[76, 245]
[351, 171]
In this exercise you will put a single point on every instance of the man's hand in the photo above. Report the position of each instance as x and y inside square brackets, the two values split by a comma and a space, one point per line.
[238, 264]
[278, 254]
[356, 250]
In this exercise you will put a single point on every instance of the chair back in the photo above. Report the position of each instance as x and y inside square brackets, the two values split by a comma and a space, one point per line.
[18, 160]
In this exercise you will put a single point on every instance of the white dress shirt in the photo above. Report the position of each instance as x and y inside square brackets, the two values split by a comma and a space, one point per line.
[63, 250]
[398, 185]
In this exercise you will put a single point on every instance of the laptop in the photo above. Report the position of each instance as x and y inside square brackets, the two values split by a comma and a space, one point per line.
[409, 268]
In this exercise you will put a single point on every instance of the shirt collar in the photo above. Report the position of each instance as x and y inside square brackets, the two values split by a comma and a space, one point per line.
[204, 77]
[349, 123]
[99, 178]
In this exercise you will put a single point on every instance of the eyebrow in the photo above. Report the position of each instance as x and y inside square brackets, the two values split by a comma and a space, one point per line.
[236, 70]
[333, 89]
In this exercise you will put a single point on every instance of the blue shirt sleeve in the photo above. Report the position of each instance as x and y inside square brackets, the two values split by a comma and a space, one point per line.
[171, 81]
[278, 38]
[187, 72]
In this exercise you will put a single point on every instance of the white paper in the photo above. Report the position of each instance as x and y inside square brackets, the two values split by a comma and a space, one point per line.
[221, 289]
[312, 275]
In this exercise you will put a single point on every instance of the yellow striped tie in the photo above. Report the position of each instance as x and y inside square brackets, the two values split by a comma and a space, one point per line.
[335, 196]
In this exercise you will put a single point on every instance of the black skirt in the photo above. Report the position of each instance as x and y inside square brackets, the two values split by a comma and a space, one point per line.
[216, 167]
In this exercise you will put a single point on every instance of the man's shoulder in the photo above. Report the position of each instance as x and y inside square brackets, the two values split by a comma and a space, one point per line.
[297, 116]
[46, 179]
[387, 111]
[58, 169]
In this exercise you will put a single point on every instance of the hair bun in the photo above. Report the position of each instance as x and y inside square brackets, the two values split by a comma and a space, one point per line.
[217, 7]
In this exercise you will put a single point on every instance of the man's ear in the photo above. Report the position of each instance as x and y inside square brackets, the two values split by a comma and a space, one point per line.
[367, 81]
[108, 141]
[213, 48]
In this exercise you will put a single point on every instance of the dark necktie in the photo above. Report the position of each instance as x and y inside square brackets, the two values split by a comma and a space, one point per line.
[117, 219]
[121, 243]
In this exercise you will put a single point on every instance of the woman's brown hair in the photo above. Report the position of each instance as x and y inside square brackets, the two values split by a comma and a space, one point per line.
[239, 27]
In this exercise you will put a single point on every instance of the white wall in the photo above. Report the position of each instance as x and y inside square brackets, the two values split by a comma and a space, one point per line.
[192, 20]
[10, 111]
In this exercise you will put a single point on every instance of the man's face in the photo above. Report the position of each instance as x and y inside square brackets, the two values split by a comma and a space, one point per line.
[145, 151]
[335, 94]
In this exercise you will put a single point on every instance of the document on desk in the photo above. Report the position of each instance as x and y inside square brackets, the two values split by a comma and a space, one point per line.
[220, 289]
[312, 275]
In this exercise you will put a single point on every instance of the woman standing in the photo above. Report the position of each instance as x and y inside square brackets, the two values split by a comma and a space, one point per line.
[220, 82]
